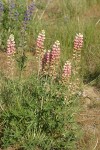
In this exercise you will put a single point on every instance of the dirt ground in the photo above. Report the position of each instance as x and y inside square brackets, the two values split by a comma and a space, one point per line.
[89, 119]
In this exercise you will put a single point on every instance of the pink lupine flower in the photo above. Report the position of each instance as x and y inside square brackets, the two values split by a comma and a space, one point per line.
[78, 41]
[54, 58]
[78, 44]
[67, 70]
[40, 40]
[47, 57]
[40, 49]
[55, 53]
[11, 45]
[46, 61]
[10, 53]
[51, 59]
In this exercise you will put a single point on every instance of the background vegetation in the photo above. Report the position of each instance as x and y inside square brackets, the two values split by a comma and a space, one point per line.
[61, 20]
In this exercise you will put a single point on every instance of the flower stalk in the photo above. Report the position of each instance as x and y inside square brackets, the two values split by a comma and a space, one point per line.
[67, 71]
[40, 49]
[11, 50]
[54, 59]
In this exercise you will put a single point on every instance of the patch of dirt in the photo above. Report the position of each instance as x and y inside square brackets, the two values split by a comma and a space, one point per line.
[89, 119]
[93, 12]
[3, 59]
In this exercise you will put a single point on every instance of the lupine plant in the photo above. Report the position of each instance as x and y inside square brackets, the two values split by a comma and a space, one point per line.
[28, 14]
[15, 17]
[55, 58]
[50, 60]
[40, 49]
[67, 72]
[78, 44]
[39, 112]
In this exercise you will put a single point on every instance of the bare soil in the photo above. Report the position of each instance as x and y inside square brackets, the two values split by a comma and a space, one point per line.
[89, 119]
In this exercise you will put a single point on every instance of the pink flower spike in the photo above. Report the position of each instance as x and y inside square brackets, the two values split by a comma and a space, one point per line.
[67, 70]
[10, 53]
[11, 45]
[46, 59]
[40, 40]
[78, 41]
[47, 56]
[55, 53]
